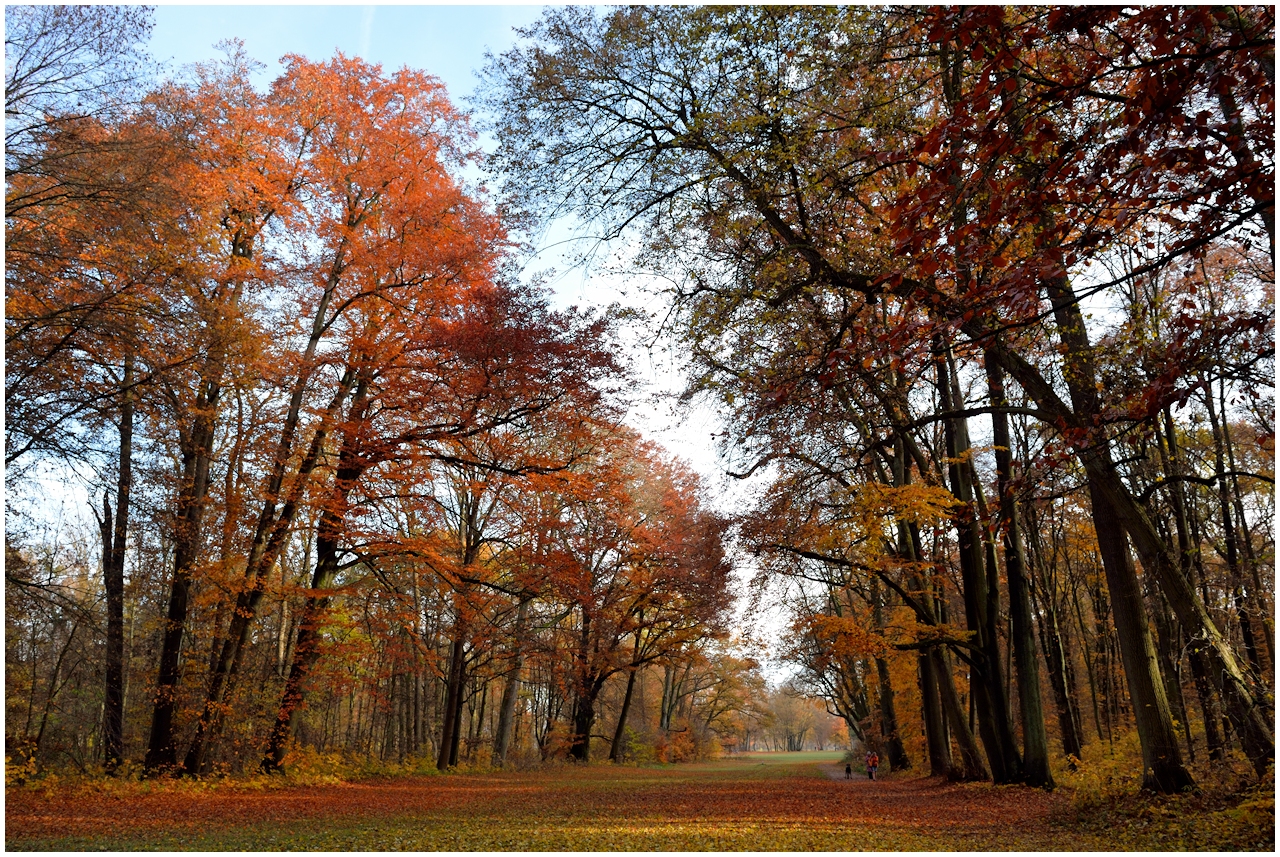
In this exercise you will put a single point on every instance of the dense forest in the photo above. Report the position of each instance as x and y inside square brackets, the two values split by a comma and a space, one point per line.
[983, 298]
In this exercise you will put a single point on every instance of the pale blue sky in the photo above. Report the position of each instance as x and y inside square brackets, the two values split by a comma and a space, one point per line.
[447, 41]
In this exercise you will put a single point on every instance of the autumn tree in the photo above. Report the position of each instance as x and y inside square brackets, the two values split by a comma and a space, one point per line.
[947, 165]
[646, 571]
[228, 130]
[1055, 149]
[435, 352]
[352, 205]
[67, 67]
[98, 234]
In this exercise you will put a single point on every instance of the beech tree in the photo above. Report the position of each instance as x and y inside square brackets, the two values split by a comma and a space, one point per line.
[229, 131]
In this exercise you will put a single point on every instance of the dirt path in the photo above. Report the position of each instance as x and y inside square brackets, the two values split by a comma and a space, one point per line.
[836, 772]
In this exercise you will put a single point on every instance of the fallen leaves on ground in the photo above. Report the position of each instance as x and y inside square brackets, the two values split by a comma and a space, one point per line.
[783, 803]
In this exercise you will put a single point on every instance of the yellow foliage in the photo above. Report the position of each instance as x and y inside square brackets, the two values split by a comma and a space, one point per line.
[18, 770]
[870, 510]
[846, 636]
[874, 503]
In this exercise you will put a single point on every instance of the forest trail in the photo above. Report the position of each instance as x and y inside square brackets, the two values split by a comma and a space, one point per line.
[836, 772]
[786, 802]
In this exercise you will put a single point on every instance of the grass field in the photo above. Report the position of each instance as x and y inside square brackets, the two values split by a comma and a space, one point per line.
[782, 801]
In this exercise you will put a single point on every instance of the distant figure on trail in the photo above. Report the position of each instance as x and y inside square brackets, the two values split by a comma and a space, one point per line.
[848, 772]
[873, 762]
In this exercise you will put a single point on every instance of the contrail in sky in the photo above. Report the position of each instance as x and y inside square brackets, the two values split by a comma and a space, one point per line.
[366, 31]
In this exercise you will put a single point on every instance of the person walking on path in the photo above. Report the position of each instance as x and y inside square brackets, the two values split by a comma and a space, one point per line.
[873, 762]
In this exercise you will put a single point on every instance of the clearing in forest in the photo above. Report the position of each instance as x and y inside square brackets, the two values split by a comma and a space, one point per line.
[780, 801]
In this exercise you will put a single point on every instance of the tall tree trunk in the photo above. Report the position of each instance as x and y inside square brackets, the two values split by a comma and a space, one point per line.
[197, 449]
[1068, 712]
[305, 654]
[980, 589]
[936, 739]
[1052, 634]
[584, 720]
[477, 720]
[1245, 707]
[584, 712]
[931, 709]
[1168, 652]
[667, 707]
[507, 708]
[1162, 763]
[1035, 741]
[970, 767]
[196, 446]
[270, 536]
[1208, 702]
[992, 708]
[1230, 548]
[615, 748]
[450, 726]
[115, 540]
[1248, 714]
[896, 752]
[352, 462]
[455, 742]
[1262, 610]
[1188, 560]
